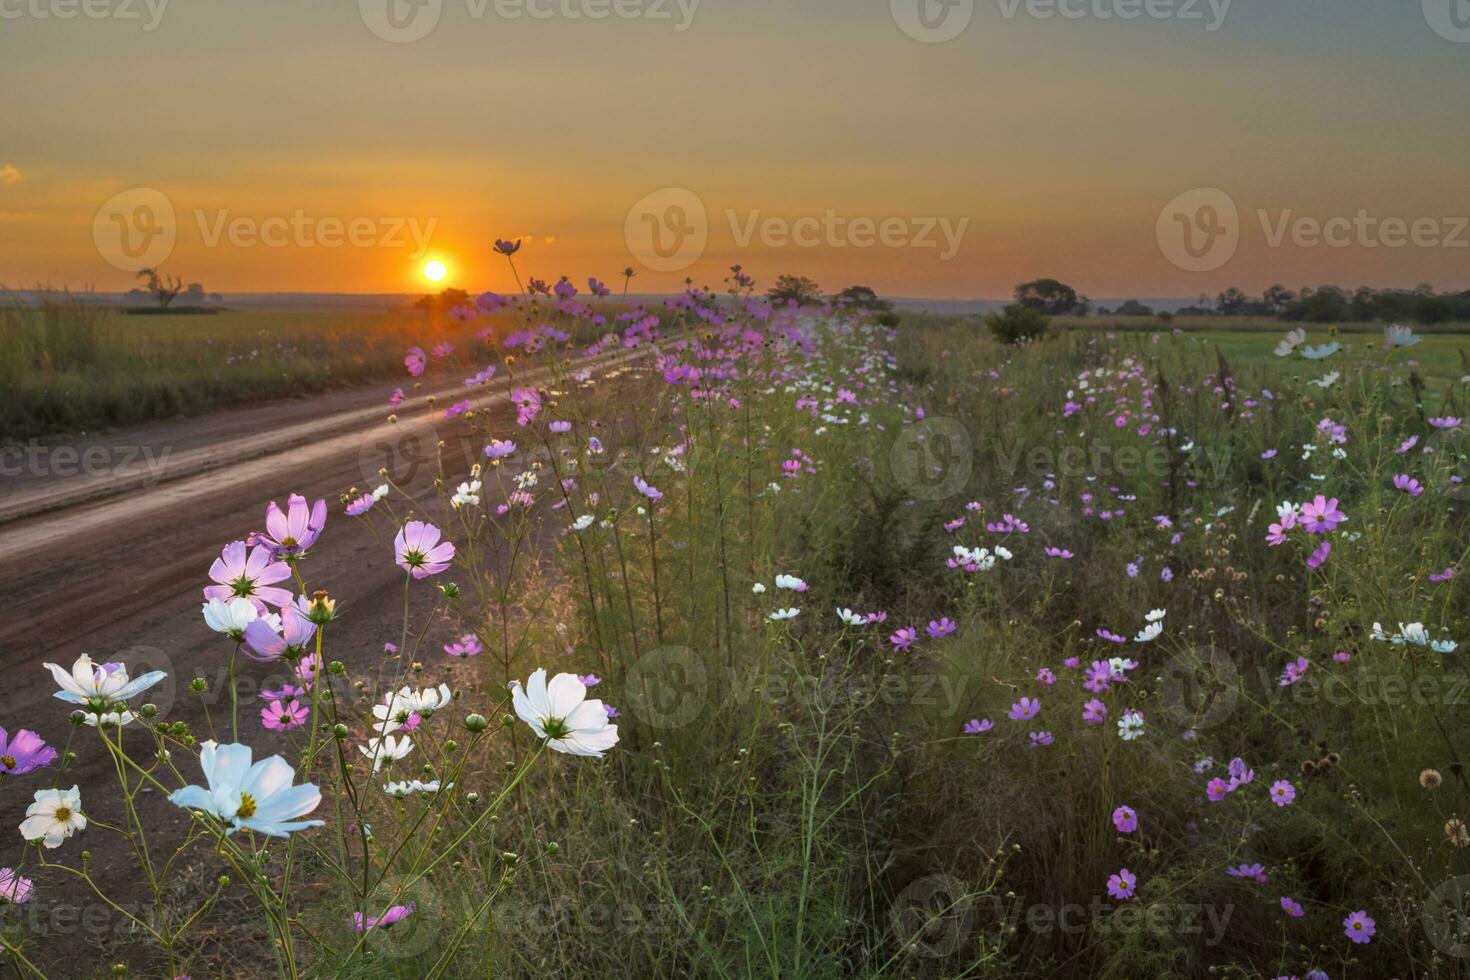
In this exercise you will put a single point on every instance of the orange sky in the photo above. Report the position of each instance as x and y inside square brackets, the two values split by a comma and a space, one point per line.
[287, 146]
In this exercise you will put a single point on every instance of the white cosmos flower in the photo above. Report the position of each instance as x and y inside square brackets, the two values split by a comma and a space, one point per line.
[230, 618]
[562, 714]
[781, 614]
[101, 690]
[386, 749]
[851, 618]
[393, 713]
[467, 494]
[1004, 553]
[1149, 633]
[1156, 614]
[790, 582]
[1327, 380]
[381, 492]
[1130, 726]
[758, 588]
[583, 523]
[246, 795]
[55, 816]
[410, 786]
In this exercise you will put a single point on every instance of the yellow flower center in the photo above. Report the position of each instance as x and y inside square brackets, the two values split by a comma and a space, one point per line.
[7, 761]
[247, 807]
[63, 814]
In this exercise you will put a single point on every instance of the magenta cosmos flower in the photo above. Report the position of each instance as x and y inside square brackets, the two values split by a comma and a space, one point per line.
[291, 532]
[14, 890]
[247, 573]
[1282, 792]
[1408, 484]
[1122, 884]
[1358, 927]
[419, 551]
[415, 361]
[977, 726]
[24, 752]
[1125, 820]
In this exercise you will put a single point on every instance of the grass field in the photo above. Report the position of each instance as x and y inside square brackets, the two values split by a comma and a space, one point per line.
[927, 657]
[69, 367]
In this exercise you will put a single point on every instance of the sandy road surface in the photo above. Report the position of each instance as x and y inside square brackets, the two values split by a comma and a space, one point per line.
[120, 579]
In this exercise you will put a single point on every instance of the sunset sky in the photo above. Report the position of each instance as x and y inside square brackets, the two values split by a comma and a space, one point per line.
[1053, 142]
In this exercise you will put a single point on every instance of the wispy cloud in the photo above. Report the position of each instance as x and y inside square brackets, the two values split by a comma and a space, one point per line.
[9, 175]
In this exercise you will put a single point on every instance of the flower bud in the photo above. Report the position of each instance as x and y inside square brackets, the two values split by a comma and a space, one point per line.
[476, 723]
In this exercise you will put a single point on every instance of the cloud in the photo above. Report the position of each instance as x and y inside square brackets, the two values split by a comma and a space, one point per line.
[9, 175]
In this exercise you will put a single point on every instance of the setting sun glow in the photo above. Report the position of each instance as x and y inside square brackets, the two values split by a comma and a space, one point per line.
[435, 271]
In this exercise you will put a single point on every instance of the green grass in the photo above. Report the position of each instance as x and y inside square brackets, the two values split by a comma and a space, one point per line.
[79, 366]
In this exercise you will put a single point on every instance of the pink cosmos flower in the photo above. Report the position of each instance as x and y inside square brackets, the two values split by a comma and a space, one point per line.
[1122, 884]
[1442, 422]
[14, 890]
[282, 716]
[1256, 872]
[1359, 927]
[1282, 792]
[1024, 709]
[1408, 484]
[264, 643]
[976, 726]
[1319, 556]
[648, 490]
[1294, 671]
[1277, 533]
[1321, 515]
[1094, 712]
[23, 752]
[291, 532]
[243, 573]
[388, 919]
[1039, 739]
[941, 627]
[500, 448]
[903, 638]
[1443, 576]
[468, 645]
[419, 551]
[415, 361]
[1291, 907]
[1125, 820]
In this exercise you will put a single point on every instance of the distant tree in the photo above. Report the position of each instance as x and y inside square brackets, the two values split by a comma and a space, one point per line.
[1133, 308]
[1083, 307]
[1232, 302]
[163, 289]
[1018, 324]
[863, 298]
[1279, 297]
[800, 289]
[194, 294]
[1047, 296]
[1325, 305]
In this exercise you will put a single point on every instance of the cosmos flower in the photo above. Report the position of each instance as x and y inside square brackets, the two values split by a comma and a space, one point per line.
[851, 618]
[791, 583]
[1359, 927]
[1408, 484]
[271, 639]
[1040, 739]
[903, 638]
[242, 573]
[101, 690]
[1121, 885]
[1282, 792]
[1321, 515]
[415, 361]
[288, 534]
[977, 726]
[386, 749]
[55, 815]
[783, 614]
[500, 448]
[647, 489]
[388, 919]
[230, 617]
[1256, 872]
[250, 796]
[282, 716]
[24, 752]
[468, 645]
[1130, 726]
[1125, 820]
[408, 787]
[418, 550]
[1024, 709]
[14, 889]
[1291, 907]
[561, 713]
[1094, 712]
[941, 627]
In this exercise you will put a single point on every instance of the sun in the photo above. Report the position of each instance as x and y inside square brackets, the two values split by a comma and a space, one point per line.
[435, 271]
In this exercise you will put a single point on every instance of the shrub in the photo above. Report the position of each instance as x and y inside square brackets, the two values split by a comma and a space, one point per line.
[1018, 324]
